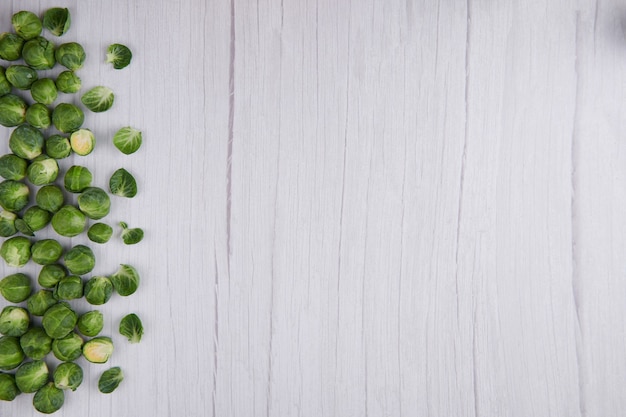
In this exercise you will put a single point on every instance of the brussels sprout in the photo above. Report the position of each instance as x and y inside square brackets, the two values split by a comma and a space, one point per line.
[26, 24]
[68, 348]
[23, 227]
[15, 251]
[67, 118]
[49, 198]
[80, 260]
[69, 288]
[26, 141]
[12, 110]
[130, 236]
[68, 375]
[46, 251]
[94, 202]
[31, 376]
[14, 321]
[57, 20]
[58, 147]
[7, 223]
[44, 91]
[21, 76]
[98, 290]
[132, 328]
[43, 170]
[125, 280]
[123, 184]
[98, 350]
[68, 82]
[13, 195]
[12, 167]
[59, 320]
[38, 115]
[48, 399]
[5, 85]
[91, 323]
[118, 55]
[110, 380]
[68, 221]
[8, 388]
[40, 302]
[36, 218]
[50, 275]
[15, 287]
[82, 141]
[127, 140]
[35, 343]
[71, 55]
[100, 232]
[11, 354]
[98, 99]
[77, 179]
[11, 46]
[38, 53]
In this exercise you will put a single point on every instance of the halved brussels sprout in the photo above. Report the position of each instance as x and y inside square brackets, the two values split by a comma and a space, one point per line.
[43, 170]
[94, 202]
[100, 232]
[68, 348]
[48, 399]
[26, 142]
[26, 24]
[15, 287]
[59, 320]
[38, 115]
[14, 321]
[125, 280]
[98, 350]
[82, 141]
[71, 55]
[21, 76]
[35, 343]
[46, 251]
[118, 55]
[91, 323]
[12, 110]
[67, 117]
[57, 20]
[80, 260]
[68, 221]
[68, 375]
[36, 218]
[123, 184]
[13, 195]
[58, 147]
[40, 302]
[69, 288]
[38, 53]
[127, 140]
[98, 290]
[44, 91]
[12, 167]
[68, 82]
[11, 46]
[49, 198]
[110, 380]
[50, 275]
[77, 179]
[15, 251]
[8, 388]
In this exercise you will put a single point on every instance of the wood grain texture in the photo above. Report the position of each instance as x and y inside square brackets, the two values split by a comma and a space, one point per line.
[398, 208]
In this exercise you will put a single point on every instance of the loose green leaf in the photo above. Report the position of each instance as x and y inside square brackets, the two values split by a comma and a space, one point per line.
[132, 328]
[110, 380]
[130, 236]
[57, 20]
[127, 140]
[119, 55]
[123, 184]
[98, 99]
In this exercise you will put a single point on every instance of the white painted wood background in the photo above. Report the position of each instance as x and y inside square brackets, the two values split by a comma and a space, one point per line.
[364, 208]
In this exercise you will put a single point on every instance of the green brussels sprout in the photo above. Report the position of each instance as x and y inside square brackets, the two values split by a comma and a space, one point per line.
[71, 55]
[68, 82]
[110, 380]
[11, 354]
[69, 288]
[98, 290]
[98, 99]
[59, 320]
[98, 350]
[15, 251]
[36, 218]
[80, 260]
[21, 76]
[127, 140]
[35, 343]
[11, 46]
[82, 141]
[38, 115]
[57, 20]
[12, 110]
[68, 348]
[50, 275]
[123, 184]
[68, 375]
[94, 202]
[44, 91]
[58, 147]
[49, 198]
[8, 388]
[132, 328]
[26, 24]
[7, 223]
[12, 167]
[48, 399]
[125, 280]
[68, 221]
[46, 251]
[43, 170]
[67, 117]
[130, 236]
[100, 232]
[40, 302]
[13, 195]
[15, 287]
[14, 321]
[26, 142]
[91, 323]
[38, 53]
[77, 179]
[5, 85]
[118, 55]
[30, 376]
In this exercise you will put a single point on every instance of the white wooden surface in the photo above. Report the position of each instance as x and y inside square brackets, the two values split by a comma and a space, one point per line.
[364, 208]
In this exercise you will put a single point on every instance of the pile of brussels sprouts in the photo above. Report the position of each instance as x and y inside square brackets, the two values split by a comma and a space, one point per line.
[42, 335]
